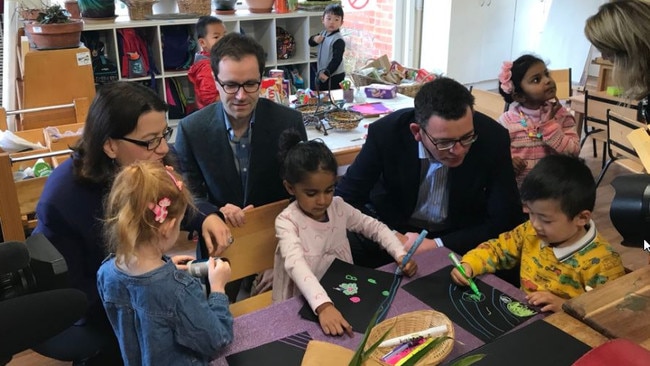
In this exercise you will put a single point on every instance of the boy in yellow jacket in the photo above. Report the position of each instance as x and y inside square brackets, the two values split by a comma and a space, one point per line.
[560, 251]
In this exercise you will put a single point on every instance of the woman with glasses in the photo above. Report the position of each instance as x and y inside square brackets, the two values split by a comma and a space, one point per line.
[439, 166]
[126, 122]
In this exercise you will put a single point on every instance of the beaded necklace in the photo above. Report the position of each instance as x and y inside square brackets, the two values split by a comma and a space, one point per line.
[533, 132]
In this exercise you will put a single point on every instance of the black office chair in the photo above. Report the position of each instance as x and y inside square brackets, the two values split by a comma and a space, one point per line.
[34, 306]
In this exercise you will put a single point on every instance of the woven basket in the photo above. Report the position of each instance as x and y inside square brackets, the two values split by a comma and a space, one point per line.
[198, 7]
[409, 89]
[414, 321]
[343, 120]
[139, 9]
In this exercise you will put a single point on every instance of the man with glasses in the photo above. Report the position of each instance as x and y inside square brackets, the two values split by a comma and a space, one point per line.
[439, 166]
[228, 150]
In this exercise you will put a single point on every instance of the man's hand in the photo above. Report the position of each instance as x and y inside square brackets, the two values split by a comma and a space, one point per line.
[234, 215]
[331, 320]
[550, 301]
[216, 235]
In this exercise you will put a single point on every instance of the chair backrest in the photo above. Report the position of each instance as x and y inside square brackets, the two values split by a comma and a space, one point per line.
[596, 108]
[488, 103]
[620, 127]
[562, 79]
[345, 157]
[253, 250]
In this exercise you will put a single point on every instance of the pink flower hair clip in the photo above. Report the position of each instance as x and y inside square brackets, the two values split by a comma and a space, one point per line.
[160, 210]
[505, 77]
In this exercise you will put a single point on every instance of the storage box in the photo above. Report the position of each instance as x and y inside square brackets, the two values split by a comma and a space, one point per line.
[61, 137]
[381, 91]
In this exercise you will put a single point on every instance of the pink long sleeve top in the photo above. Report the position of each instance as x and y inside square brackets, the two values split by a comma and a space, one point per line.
[532, 137]
[306, 248]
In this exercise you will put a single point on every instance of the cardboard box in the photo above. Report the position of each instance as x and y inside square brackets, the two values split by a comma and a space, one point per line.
[67, 136]
[381, 91]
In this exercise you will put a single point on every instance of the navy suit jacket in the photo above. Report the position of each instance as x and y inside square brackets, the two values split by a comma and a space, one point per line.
[207, 161]
[483, 196]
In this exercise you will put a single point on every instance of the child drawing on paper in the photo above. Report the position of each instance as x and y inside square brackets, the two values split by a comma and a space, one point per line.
[537, 122]
[559, 249]
[312, 230]
[157, 310]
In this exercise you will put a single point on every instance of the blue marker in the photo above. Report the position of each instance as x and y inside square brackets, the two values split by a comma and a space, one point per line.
[414, 247]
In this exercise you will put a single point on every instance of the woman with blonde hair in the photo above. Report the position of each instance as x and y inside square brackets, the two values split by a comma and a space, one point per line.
[620, 30]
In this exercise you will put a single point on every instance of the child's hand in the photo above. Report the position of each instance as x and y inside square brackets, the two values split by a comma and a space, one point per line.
[518, 164]
[550, 108]
[458, 277]
[323, 77]
[550, 301]
[318, 39]
[218, 274]
[331, 320]
[427, 244]
[181, 261]
[410, 268]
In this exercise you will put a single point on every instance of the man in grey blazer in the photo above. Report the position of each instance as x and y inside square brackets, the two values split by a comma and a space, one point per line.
[228, 150]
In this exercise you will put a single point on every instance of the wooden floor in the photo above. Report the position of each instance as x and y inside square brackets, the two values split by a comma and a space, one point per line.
[633, 258]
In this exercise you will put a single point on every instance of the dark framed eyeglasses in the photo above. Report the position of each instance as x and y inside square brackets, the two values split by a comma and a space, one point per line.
[232, 87]
[154, 142]
[447, 144]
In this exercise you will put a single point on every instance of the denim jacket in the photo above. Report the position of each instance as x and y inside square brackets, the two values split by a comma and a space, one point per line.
[162, 317]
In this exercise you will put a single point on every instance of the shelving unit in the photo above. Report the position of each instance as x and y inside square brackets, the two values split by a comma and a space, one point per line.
[261, 27]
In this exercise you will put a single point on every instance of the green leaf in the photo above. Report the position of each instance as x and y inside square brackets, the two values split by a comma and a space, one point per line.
[466, 361]
[416, 357]
[359, 355]
[372, 348]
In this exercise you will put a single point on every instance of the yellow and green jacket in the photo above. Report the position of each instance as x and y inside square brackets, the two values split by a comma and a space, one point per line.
[563, 271]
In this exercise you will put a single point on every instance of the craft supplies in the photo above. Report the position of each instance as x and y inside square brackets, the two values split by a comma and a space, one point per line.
[427, 333]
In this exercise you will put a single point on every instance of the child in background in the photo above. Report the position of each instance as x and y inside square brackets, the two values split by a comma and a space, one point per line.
[312, 230]
[559, 249]
[537, 122]
[331, 47]
[158, 312]
[209, 30]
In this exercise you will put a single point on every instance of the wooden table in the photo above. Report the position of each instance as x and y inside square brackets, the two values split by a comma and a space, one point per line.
[576, 328]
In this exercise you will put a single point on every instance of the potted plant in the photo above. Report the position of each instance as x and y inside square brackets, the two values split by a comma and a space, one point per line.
[54, 29]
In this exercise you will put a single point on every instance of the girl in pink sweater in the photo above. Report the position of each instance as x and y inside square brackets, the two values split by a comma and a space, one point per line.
[312, 230]
[538, 124]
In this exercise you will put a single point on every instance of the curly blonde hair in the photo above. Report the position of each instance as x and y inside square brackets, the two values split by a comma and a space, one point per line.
[129, 219]
[620, 30]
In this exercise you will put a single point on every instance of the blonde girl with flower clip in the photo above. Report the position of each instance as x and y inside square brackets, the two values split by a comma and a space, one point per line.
[538, 124]
[158, 312]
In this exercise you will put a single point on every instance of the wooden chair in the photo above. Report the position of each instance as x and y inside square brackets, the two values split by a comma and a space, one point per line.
[619, 148]
[562, 79]
[345, 157]
[595, 119]
[18, 199]
[253, 251]
[488, 103]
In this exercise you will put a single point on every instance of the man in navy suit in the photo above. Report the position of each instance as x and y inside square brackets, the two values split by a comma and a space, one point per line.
[439, 166]
[228, 150]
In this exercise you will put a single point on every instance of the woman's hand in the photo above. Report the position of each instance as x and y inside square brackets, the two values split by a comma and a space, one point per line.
[410, 268]
[331, 320]
[234, 215]
[216, 234]
[549, 301]
[458, 277]
[181, 261]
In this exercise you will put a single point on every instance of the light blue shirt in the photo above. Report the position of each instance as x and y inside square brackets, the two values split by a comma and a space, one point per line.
[433, 196]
